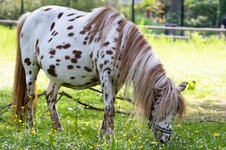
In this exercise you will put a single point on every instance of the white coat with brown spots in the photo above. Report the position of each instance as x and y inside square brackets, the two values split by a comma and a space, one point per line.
[78, 50]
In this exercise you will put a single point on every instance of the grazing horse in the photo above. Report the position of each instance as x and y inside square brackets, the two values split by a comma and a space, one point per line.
[78, 50]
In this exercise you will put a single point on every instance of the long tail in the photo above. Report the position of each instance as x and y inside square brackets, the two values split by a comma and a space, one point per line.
[19, 86]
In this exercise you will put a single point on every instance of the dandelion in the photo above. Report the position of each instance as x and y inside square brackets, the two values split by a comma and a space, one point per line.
[154, 142]
[134, 136]
[51, 129]
[196, 131]
[91, 147]
[105, 143]
[23, 124]
[178, 125]
[48, 113]
[14, 105]
[222, 120]
[201, 146]
[216, 135]
[87, 106]
[78, 130]
[16, 116]
[80, 134]
[54, 143]
[219, 147]
[130, 142]
[22, 107]
[1, 137]
[141, 146]
[53, 121]
[20, 121]
[138, 125]
[55, 130]
[33, 132]
[3, 124]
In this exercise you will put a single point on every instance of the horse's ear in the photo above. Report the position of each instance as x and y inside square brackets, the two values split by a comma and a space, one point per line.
[182, 86]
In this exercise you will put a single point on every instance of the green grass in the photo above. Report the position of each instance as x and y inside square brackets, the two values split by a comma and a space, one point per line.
[198, 61]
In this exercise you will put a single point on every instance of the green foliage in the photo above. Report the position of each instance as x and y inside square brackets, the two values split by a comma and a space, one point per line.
[202, 13]
[198, 61]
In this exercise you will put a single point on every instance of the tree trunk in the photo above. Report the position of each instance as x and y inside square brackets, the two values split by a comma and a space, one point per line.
[222, 10]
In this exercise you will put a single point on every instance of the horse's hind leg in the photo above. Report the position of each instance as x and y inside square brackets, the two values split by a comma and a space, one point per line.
[31, 71]
[51, 96]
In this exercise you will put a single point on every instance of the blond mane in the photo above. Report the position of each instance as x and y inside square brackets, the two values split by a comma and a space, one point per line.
[139, 65]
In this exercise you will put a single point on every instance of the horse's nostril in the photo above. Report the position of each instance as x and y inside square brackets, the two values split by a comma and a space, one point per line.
[162, 141]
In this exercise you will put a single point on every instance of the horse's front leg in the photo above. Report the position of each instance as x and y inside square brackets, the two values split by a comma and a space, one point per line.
[51, 96]
[107, 126]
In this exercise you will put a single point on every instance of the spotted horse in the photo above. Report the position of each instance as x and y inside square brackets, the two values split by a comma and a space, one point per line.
[79, 50]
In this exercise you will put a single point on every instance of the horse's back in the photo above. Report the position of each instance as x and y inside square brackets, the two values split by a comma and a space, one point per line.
[51, 37]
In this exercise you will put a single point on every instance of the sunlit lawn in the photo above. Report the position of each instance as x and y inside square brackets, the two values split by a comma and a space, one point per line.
[200, 62]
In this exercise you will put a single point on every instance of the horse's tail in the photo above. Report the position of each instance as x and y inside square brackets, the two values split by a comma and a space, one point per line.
[19, 85]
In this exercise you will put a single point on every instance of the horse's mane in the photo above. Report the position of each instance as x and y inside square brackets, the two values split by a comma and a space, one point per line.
[139, 64]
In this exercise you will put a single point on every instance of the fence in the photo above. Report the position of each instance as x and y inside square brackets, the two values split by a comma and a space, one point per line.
[14, 22]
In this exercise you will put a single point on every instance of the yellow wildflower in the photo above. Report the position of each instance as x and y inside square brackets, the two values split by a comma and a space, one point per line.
[78, 130]
[130, 142]
[91, 147]
[138, 125]
[105, 143]
[51, 129]
[22, 107]
[80, 134]
[222, 120]
[141, 146]
[201, 146]
[196, 131]
[87, 106]
[53, 121]
[20, 120]
[16, 116]
[154, 142]
[54, 143]
[1, 136]
[216, 135]
[48, 113]
[55, 130]
[14, 105]
[178, 125]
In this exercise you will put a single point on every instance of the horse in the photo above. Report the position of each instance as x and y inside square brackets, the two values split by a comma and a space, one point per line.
[79, 50]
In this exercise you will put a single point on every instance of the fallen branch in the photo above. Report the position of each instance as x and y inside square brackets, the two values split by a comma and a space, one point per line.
[7, 107]
[87, 106]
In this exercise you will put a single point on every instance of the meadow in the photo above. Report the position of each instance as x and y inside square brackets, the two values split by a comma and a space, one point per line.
[201, 62]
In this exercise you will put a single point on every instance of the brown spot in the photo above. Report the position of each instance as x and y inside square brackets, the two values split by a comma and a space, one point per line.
[71, 14]
[59, 47]
[72, 78]
[74, 60]
[21, 34]
[113, 48]
[27, 61]
[91, 55]
[50, 40]
[70, 66]
[83, 76]
[98, 39]
[57, 64]
[57, 60]
[106, 44]
[82, 32]
[77, 54]
[36, 47]
[71, 19]
[51, 71]
[88, 69]
[78, 67]
[60, 15]
[106, 96]
[55, 34]
[66, 46]
[79, 16]
[88, 28]
[42, 57]
[102, 56]
[106, 61]
[70, 34]
[67, 57]
[84, 42]
[47, 9]
[70, 27]
[86, 38]
[51, 57]
[52, 52]
[109, 52]
[101, 66]
[52, 26]
[30, 72]
[30, 83]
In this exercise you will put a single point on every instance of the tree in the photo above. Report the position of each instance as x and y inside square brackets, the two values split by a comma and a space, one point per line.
[222, 10]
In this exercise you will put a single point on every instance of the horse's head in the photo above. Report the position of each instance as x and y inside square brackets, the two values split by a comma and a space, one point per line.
[162, 127]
